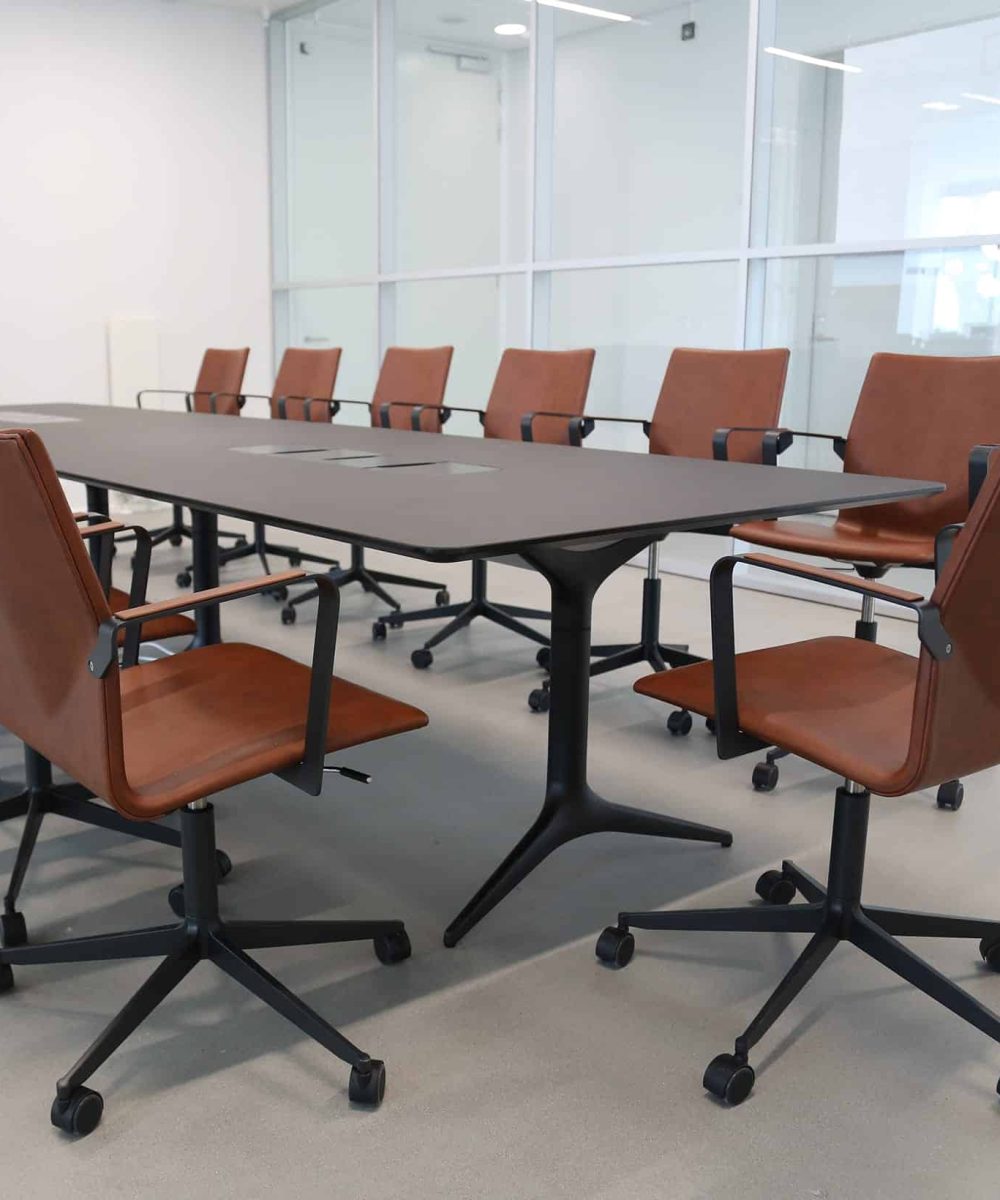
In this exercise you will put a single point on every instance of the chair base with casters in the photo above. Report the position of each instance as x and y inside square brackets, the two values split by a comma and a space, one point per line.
[370, 581]
[263, 549]
[202, 934]
[71, 800]
[178, 530]
[508, 616]
[831, 914]
[649, 649]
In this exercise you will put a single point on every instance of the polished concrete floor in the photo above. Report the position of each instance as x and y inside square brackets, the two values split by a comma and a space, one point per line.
[517, 1066]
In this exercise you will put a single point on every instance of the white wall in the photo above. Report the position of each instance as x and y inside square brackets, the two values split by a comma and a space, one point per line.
[134, 138]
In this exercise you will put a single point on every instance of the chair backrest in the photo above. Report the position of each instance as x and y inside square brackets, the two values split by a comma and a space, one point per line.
[918, 416]
[538, 381]
[415, 376]
[956, 716]
[311, 374]
[221, 374]
[51, 605]
[706, 390]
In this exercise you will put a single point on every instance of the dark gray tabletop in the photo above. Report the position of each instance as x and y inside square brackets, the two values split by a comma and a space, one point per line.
[431, 496]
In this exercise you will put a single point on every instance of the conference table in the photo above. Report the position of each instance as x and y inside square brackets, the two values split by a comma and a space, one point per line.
[574, 515]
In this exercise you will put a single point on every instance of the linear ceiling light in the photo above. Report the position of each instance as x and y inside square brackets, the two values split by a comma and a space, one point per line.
[815, 62]
[980, 96]
[940, 106]
[511, 29]
[585, 10]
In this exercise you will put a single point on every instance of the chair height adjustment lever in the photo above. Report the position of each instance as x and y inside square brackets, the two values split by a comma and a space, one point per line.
[350, 773]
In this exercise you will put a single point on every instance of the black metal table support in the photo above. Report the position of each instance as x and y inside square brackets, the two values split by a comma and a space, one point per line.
[571, 808]
[205, 568]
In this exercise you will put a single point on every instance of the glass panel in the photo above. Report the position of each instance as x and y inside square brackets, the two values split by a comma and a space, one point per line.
[330, 131]
[634, 317]
[890, 132]
[461, 140]
[319, 318]
[836, 312]
[466, 314]
[647, 149]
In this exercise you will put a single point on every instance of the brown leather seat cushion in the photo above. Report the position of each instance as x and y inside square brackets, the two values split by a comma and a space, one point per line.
[199, 722]
[842, 703]
[841, 541]
[159, 627]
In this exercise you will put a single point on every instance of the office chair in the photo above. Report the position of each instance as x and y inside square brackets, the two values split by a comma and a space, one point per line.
[237, 711]
[889, 723]
[917, 416]
[420, 375]
[73, 801]
[303, 391]
[550, 385]
[712, 404]
[216, 390]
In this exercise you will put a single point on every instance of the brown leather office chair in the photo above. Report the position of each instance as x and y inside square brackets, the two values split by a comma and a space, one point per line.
[303, 391]
[537, 395]
[889, 723]
[719, 404]
[917, 416]
[216, 390]
[409, 394]
[237, 711]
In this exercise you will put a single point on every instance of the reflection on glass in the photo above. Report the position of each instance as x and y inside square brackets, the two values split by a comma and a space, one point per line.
[634, 317]
[836, 312]
[460, 135]
[889, 132]
[330, 142]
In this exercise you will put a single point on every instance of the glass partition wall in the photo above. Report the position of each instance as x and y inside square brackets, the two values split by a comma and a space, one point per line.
[637, 176]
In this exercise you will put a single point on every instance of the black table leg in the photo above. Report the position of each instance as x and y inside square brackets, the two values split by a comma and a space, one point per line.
[205, 572]
[571, 808]
[97, 502]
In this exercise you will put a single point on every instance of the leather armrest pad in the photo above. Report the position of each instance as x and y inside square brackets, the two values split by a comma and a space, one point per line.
[870, 586]
[228, 591]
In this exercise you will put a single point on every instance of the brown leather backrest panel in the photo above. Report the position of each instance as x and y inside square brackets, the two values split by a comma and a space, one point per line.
[51, 605]
[221, 373]
[415, 376]
[956, 728]
[311, 373]
[919, 416]
[706, 390]
[538, 381]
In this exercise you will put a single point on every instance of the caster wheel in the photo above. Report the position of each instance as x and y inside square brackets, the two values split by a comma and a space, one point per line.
[774, 888]
[295, 560]
[421, 659]
[175, 898]
[729, 1078]
[183, 579]
[442, 598]
[394, 621]
[288, 615]
[80, 1113]
[379, 631]
[367, 1084]
[393, 947]
[6, 978]
[175, 539]
[544, 657]
[950, 795]
[710, 724]
[13, 929]
[679, 723]
[765, 777]
[279, 594]
[615, 947]
[539, 700]
[989, 948]
[223, 864]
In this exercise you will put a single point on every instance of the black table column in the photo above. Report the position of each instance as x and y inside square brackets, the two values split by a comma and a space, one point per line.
[205, 573]
[571, 807]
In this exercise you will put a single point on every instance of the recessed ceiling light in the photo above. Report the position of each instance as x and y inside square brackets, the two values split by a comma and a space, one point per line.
[586, 10]
[813, 62]
[980, 96]
[510, 30]
[940, 106]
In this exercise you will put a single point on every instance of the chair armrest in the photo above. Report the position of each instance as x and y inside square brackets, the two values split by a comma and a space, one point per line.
[89, 531]
[416, 412]
[592, 418]
[213, 397]
[839, 443]
[308, 401]
[307, 775]
[90, 516]
[107, 635]
[979, 465]
[579, 427]
[162, 392]
[773, 442]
